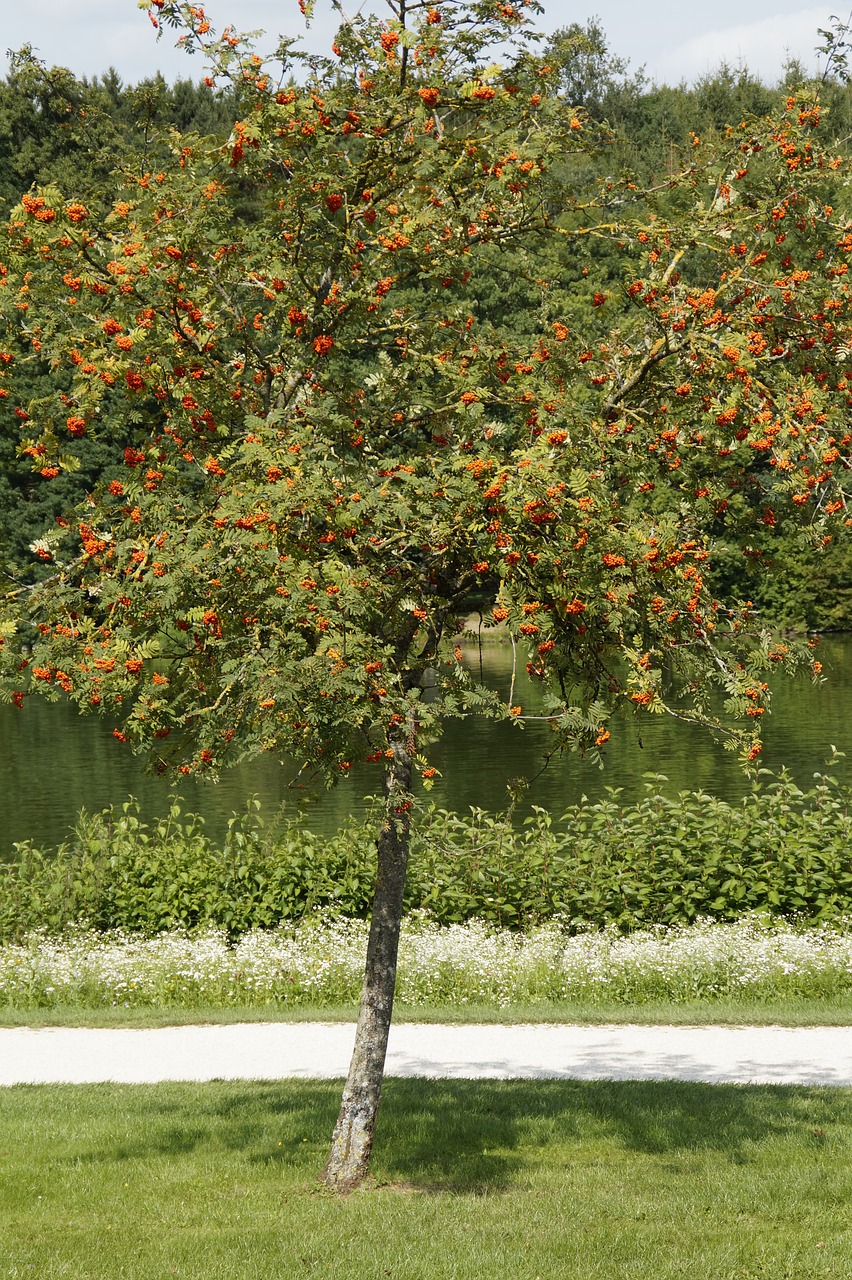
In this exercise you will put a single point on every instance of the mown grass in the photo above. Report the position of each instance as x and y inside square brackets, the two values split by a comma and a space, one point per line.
[787, 1012]
[473, 1181]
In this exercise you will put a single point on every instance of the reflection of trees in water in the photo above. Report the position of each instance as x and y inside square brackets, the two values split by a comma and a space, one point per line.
[54, 763]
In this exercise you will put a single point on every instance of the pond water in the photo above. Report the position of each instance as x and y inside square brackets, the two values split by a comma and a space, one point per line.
[54, 763]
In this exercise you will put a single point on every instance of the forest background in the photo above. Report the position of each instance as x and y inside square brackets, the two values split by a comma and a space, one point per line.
[56, 128]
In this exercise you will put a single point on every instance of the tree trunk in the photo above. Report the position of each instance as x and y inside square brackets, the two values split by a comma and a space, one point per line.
[352, 1141]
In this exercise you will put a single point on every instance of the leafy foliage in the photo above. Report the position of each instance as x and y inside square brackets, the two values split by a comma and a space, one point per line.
[55, 128]
[60, 131]
[781, 852]
[310, 475]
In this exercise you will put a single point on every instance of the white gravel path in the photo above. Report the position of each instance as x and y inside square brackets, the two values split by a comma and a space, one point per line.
[269, 1051]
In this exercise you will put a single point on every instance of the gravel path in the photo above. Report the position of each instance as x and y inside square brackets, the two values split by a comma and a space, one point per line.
[269, 1051]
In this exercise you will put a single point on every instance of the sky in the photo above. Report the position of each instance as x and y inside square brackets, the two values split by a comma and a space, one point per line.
[673, 40]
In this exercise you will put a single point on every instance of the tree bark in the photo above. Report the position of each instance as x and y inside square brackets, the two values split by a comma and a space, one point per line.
[352, 1141]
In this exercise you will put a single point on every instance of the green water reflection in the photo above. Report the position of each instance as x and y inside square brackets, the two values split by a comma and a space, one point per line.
[54, 763]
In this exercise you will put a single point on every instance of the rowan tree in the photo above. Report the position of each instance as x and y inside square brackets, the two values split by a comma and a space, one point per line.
[323, 447]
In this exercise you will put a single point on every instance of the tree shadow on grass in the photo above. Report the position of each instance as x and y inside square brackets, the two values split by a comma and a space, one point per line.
[451, 1136]
[484, 1135]
[264, 1122]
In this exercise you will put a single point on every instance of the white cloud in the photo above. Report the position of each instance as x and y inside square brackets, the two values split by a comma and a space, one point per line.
[90, 35]
[761, 46]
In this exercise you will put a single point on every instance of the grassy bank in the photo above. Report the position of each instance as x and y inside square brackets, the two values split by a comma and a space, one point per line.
[314, 969]
[789, 1012]
[745, 973]
[473, 1181]
[661, 861]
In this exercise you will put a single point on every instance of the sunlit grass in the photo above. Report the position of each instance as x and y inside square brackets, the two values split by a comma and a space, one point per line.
[473, 1181]
[786, 1012]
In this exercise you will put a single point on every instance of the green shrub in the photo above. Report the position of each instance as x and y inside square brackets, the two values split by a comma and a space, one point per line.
[658, 862]
[119, 872]
[779, 851]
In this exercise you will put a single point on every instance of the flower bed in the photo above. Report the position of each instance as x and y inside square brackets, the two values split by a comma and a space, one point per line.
[320, 962]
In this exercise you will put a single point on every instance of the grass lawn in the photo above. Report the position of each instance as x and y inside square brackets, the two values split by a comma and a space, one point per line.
[473, 1181]
[833, 1011]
